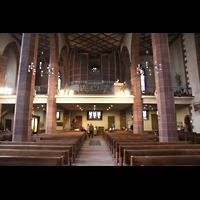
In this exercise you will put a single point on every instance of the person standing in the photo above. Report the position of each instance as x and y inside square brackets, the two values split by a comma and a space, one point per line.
[113, 125]
[91, 129]
[87, 131]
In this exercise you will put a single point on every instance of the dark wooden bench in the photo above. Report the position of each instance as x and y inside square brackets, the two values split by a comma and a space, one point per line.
[69, 137]
[150, 147]
[50, 142]
[5, 136]
[179, 160]
[39, 147]
[188, 136]
[111, 138]
[31, 161]
[128, 139]
[78, 138]
[132, 143]
[157, 152]
[65, 145]
[43, 153]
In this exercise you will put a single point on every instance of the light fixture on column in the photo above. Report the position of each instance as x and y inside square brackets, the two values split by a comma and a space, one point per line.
[139, 69]
[41, 60]
[149, 65]
[157, 67]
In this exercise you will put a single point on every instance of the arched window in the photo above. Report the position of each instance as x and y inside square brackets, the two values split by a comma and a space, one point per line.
[142, 81]
[59, 81]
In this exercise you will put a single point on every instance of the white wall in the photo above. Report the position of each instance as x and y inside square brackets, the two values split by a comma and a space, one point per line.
[193, 76]
[5, 39]
[127, 42]
[11, 68]
[176, 57]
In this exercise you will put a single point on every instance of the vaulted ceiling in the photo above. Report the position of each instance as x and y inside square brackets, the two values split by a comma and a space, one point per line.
[95, 43]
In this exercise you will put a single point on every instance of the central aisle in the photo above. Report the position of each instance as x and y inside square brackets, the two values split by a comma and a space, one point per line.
[95, 155]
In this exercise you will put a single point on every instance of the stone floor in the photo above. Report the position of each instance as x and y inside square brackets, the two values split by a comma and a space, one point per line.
[95, 155]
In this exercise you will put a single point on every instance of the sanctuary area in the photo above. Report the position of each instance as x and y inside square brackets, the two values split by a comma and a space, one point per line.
[142, 87]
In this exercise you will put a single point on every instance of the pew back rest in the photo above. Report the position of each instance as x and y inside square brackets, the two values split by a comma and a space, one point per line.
[43, 153]
[158, 152]
[30, 161]
[165, 160]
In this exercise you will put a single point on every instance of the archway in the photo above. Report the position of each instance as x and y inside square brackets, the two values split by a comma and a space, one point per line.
[64, 62]
[125, 66]
[12, 50]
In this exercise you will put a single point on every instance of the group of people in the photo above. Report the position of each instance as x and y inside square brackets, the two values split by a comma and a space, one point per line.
[5, 131]
[89, 130]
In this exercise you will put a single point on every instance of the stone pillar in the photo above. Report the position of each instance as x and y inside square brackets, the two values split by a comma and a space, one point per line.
[52, 85]
[25, 88]
[135, 82]
[165, 95]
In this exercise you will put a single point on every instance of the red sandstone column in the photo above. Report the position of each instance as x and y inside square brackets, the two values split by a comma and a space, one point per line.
[25, 88]
[135, 81]
[52, 83]
[165, 95]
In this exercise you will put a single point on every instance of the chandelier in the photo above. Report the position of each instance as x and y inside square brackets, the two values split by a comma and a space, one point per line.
[41, 60]
[149, 65]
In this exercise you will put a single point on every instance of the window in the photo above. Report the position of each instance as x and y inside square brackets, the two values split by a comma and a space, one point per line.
[58, 115]
[59, 81]
[145, 114]
[142, 81]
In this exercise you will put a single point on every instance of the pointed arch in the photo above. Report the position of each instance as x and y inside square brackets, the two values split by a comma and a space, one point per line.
[125, 59]
[65, 58]
[17, 55]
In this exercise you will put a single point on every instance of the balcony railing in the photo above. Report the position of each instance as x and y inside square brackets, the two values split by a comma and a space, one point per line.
[150, 90]
[41, 89]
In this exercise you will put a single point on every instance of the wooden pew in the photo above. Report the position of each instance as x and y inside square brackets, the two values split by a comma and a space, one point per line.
[151, 147]
[188, 136]
[31, 161]
[65, 145]
[38, 147]
[165, 160]
[130, 143]
[5, 136]
[128, 139]
[69, 146]
[73, 151]
[79, 138]
[157, 152]
[75, 138]
[38, 153]
[110, 138]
